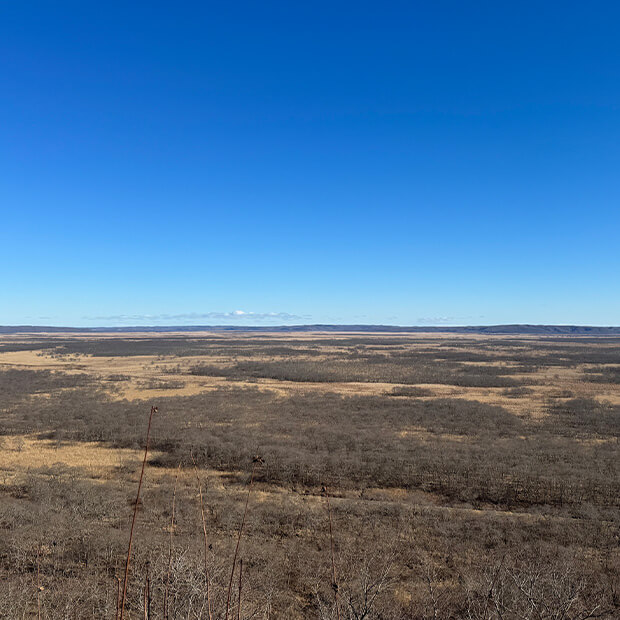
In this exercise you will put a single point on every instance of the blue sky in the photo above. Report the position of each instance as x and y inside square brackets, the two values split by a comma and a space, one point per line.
[326, 162]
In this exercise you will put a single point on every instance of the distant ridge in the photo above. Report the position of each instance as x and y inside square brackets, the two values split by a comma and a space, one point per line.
[559, 330]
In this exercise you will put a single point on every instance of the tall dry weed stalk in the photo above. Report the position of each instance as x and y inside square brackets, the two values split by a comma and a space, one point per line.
[118, 596]
[174, 498]
[256, 462]
[206, 546]
[135, 513]
[147, 599]
[333, 554]
[239, 597]
[147, 591]
[39, 588]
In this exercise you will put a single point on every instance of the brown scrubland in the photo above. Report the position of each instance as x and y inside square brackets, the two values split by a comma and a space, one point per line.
[350, 476]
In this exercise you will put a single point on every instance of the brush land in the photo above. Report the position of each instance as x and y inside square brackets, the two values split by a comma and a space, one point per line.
[468, 476]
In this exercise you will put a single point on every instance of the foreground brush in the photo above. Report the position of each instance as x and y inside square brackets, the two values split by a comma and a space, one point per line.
[135, 513]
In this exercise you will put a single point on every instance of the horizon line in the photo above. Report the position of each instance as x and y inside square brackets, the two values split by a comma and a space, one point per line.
[543, 328]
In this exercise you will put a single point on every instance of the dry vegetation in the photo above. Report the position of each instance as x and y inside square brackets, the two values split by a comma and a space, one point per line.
[469, 477]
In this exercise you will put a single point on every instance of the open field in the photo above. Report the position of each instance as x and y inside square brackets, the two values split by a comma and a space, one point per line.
[469, 476]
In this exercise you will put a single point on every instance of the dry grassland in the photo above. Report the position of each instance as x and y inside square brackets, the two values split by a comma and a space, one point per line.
[469, 476]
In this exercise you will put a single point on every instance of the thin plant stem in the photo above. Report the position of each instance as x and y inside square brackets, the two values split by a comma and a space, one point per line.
[174, 497]
[333, 555]
[204, 532]
[135, 513]
[144, 602]
[239, 598]
[39, 582]
[148, 592]
[257, 461]
[118, 596]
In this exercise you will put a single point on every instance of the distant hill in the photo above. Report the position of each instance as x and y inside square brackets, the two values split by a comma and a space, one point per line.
[560, 330]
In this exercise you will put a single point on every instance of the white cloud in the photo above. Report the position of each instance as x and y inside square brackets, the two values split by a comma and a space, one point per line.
[235, 315]
[445, 320]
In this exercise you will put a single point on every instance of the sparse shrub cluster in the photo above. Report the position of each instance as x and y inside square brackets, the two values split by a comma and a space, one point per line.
[337, 371]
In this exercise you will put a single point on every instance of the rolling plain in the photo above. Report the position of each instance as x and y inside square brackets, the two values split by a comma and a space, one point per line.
[398, 475]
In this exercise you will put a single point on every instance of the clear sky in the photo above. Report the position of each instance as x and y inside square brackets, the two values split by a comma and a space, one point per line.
[304, 162]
